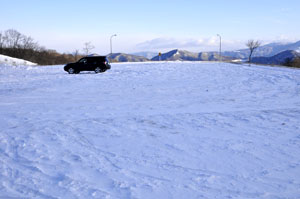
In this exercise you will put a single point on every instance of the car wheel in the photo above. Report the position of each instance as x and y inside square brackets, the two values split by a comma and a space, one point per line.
[98, 70]
[71, 71]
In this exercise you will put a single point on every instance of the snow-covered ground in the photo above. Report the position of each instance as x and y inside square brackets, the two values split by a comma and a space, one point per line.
[6, 60]
[150, 130]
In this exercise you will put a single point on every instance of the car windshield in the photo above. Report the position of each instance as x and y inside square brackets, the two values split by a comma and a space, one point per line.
[106, 60]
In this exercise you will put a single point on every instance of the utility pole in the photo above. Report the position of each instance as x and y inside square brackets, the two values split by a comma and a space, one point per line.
[220, 53]
[111, 42]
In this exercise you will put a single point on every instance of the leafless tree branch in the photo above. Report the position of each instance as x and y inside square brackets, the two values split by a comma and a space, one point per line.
[252, 45]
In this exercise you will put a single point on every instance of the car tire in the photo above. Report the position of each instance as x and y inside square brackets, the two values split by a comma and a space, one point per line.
[98, 70]
[71, 71]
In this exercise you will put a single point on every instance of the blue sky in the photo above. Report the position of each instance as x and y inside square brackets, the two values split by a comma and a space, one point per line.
[65, 25]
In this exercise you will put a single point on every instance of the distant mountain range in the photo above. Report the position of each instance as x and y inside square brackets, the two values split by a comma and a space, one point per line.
[268, 50]
[279, 59]
[177, 55]
[148, 55]
[183, 55]
[274, 53]
[122, 57]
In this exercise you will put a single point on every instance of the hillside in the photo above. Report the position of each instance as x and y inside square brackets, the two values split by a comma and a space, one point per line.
[150, 130]
[278, 59]
[17, 45]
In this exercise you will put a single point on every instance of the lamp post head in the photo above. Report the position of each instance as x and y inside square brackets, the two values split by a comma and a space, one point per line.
[111, 42]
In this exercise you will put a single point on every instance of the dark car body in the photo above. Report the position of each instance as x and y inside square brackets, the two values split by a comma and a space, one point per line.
[93, 63]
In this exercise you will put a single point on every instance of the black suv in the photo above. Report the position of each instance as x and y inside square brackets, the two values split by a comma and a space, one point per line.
[93, 63]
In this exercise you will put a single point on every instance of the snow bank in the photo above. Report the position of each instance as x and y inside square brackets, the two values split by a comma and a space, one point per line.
[150, 130]
[6, 60]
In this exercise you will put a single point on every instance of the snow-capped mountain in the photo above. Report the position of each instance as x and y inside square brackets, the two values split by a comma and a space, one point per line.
[177, 55]
[183, 55]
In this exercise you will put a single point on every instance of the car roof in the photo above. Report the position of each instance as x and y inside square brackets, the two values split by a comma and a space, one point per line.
[95, 57]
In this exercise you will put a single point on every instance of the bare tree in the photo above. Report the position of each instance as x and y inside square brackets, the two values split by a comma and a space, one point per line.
[15, 44]
[1, 42]
[12, 38]
[252, 45]
[87, 47]
[29, 43]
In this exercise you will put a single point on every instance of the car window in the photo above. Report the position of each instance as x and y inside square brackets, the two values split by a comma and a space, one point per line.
[82, 61]
[90, 61]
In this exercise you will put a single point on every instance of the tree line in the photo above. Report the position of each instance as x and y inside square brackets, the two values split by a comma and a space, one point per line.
[15, 44]
[292, 62]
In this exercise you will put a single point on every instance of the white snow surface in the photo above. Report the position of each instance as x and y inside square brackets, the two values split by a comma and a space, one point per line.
[150, 130]
[6, 60]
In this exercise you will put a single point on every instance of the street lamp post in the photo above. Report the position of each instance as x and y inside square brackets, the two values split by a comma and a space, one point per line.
[111, 42]
[220, 53]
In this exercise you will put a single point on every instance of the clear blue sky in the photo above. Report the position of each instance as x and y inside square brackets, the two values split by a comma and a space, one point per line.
[153, 25]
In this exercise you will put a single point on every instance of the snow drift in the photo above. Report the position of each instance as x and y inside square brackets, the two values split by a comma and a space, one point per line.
[6, 60]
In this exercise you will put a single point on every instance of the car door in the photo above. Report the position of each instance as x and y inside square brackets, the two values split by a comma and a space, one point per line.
[82, 64]
[91, 64]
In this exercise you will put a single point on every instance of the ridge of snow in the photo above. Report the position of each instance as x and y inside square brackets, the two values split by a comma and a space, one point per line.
[15, 61]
